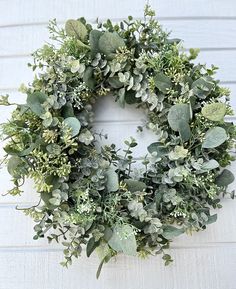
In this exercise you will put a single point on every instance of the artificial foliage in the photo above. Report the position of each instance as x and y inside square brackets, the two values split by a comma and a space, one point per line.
[96, 196]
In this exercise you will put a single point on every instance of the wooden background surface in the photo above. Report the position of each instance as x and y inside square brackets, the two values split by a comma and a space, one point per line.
[206, 260]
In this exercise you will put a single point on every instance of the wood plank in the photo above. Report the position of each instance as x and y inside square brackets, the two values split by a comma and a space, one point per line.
[204, 34]
[17, 230]
[14, 71]
[202, 268]
[14, 12]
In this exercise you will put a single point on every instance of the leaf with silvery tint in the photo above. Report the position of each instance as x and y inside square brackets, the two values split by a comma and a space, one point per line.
[178, 114]
[134, 185]
[225, 178]
[214, 137]
[214, 111]
[74, 124]
[114, 82]
[88, 78]
[76, 66]
[184, 130]
[203, 86]
[35, 102]
[211, 219]
[179, 152]
[157, 147]
[109, 42]
[94, 36]
[13, 164]
[112, 180]
[210, 165]
[75, 28]
[162, 82]
[170, 232]
[123, 240]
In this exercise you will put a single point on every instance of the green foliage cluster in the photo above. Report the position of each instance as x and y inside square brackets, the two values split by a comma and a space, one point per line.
[96, 197]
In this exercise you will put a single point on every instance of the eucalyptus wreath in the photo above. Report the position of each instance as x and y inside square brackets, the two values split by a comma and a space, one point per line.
[95, 196]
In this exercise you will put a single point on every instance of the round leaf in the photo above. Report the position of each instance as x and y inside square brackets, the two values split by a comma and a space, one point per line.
[74, 124]
[178, 114]
[214, 137]
[225, 178]
[35, 101]
[75, 28]
[109, 42]
[214, 111]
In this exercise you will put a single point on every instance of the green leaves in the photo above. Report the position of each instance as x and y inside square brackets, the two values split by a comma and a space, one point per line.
[170, 232]
[134, 185]
[75, 28]
[112, 180]
[94, 36]
[35, 102]
[123, 240]
[157, 147]
[14, 164]
[178, 118]
[214, 137]
[109, 42]
[74, 124]
[225, 178]
[162, 82]
[203, 86]
[88, 77]
[214, 111]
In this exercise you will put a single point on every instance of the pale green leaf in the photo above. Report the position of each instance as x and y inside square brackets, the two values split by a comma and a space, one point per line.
[214, 137]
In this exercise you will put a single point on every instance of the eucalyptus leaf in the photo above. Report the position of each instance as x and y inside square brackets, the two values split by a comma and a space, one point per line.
[184, 130]
[134, 185]
[170, 232]
[159, 148]
[214, 137]
[162, 82]
[203, 86]
[74, 124]
[13, 165]
[91, 246]
[109, 42]
[123, 240]
[112, 180]
[210, 165]
[225, 178]
[88, 77]
[94, 36]
[214, 111]
[114, 82]
[178, 114]
[75, 28]
[35, 102]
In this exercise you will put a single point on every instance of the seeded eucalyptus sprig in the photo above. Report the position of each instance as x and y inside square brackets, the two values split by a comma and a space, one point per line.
[101, 197]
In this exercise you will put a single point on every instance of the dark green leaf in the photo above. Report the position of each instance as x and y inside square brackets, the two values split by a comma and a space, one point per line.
[91, 246]
[93, 40]
[157, 147]
[225, 178]
[35, 101]
[88, 78]
[170, 232]
[109, 42]
[134, 185]
[162, 82]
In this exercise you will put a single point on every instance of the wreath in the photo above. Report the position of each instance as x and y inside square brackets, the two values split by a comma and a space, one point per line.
[95, 196]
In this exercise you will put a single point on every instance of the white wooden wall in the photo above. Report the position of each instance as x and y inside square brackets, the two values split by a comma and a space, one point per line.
[206, 260]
